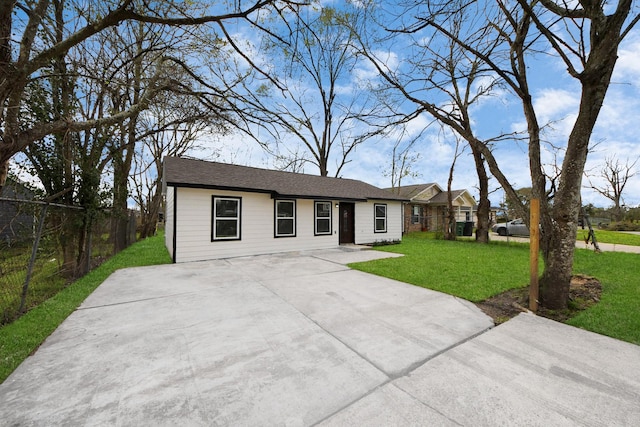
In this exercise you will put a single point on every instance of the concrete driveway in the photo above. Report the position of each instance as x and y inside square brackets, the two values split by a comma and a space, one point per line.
[300, 339]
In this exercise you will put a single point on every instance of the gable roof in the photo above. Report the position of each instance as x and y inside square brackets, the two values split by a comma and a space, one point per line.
[411, 191]
[182, 172]
[441, 198]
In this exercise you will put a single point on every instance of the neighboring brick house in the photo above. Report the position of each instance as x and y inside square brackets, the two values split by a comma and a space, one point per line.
[427, 208]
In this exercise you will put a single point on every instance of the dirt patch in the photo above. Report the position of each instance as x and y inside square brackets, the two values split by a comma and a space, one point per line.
[585, 291]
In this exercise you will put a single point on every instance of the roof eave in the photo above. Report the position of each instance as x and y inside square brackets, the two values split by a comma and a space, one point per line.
[218, 187]
[275, 195]
[389, 199]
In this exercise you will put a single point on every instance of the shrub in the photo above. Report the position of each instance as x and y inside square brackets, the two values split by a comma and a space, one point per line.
[623, 226]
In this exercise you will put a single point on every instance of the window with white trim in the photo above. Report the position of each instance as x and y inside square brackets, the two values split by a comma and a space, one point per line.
[380, 218]
[322, 218]
[225, 218]
[416, 214]
[285, 220]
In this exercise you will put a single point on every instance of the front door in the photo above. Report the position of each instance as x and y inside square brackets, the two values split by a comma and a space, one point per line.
[346, 223]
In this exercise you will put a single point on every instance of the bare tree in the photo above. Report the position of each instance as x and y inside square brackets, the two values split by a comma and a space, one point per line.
[589, 49]
[139, 45]
[172, 127]
[311, 109]
[444, 81]
[584, 35]
[616, 175]
[403, 158]
[32, 57]
[403, 162]
[65, 162]
[450, 230]
[108, 73]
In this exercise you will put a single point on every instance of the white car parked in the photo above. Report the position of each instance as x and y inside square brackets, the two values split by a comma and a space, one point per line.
[517, 227]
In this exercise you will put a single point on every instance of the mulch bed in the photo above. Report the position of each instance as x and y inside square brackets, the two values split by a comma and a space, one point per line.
[585, 291]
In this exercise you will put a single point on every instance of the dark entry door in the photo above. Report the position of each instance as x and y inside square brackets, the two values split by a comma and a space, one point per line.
[346, 223]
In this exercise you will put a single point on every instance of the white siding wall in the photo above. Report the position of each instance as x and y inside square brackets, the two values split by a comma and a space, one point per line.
[364, 222]
[257, 227]
[169, 220]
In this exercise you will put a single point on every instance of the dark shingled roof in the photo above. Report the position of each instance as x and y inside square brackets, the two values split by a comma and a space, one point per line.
[193, 173]
[409, 191]
[442, 198]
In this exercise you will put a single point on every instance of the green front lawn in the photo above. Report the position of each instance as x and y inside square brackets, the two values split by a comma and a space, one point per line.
[617, 237]
[476, 272]
[618, 312]
[458, 268]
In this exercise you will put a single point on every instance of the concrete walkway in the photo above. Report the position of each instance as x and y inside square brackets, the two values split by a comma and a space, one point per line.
[605, 247]
[610, 247]
[300, 339]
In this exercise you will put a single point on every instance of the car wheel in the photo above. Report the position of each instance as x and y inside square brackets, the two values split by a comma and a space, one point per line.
[502, 231]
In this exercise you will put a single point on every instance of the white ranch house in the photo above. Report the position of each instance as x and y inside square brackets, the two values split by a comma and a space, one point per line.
[218, 210]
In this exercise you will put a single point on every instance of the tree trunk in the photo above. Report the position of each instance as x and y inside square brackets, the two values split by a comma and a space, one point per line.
[84, 252]
[450, 232]
[558, 255]
[6, 10]
[122, 161]
[150, 217]
[559, 242]
[484, 205]
[322, 164]
[556, 278]
[121, 169]
[4, 172]
[63, 222]
[119, 212]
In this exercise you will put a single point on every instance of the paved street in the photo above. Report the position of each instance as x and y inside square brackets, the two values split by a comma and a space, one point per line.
[606, 247]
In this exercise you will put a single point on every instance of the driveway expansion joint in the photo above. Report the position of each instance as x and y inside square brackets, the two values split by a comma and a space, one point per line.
[352, 402]
[407, 372]
[134, 301]
[327, 331]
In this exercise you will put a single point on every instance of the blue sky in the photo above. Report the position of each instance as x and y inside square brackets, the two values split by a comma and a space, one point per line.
[556, 98]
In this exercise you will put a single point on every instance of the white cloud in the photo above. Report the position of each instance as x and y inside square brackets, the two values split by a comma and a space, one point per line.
[366, 71]
[553, 103]
[628, 65]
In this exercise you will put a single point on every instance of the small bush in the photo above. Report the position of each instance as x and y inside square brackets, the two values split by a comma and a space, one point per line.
[386, 242]
[622, 226]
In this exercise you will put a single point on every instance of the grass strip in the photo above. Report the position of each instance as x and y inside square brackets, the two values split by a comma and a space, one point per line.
[617, 313]
[460, 268]
[615, 237]
[22, 337]
[476, 272]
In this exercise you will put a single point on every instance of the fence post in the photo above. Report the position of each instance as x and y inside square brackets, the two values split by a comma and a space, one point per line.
[32, 260]
[534, 249]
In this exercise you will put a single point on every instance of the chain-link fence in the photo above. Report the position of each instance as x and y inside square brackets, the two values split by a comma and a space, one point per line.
[44, 247]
